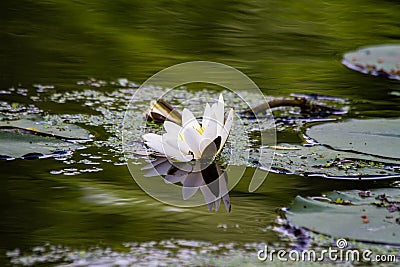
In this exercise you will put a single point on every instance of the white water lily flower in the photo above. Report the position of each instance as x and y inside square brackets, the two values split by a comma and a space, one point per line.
[192, 140]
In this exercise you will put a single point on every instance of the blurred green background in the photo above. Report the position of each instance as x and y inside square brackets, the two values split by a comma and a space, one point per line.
[282, 45]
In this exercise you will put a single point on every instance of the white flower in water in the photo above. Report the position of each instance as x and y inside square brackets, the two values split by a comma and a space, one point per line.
[192, 140]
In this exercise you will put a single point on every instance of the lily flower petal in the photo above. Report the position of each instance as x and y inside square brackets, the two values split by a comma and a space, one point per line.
[176, 141]
[172, 128]
[154, 142]
[207, 116]
[192, 139]
[219, 114]
[227, 128]
[209, 135]
[151, 137]
[210, 132]
[173, 152]
[188, 120]
[221, 99]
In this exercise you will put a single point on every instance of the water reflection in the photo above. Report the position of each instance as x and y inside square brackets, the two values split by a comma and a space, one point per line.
[200, 174]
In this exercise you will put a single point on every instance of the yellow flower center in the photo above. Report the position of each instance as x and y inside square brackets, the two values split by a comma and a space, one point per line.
[201, 130]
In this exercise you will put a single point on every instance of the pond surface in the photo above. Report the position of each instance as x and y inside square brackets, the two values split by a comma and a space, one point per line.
[81, 62]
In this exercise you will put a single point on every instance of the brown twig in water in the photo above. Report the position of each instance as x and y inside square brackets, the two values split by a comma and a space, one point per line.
[162, 110]
[306, 107]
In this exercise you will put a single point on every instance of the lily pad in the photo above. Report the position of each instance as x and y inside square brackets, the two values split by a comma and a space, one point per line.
[322, 161]
[68, 132]
[29, 139]
[378, 137]
[382, 60]
[370, 217]
[26, 146]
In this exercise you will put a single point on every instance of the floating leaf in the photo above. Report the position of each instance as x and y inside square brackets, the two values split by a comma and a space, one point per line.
[354, 217]
[69, 132]
[27, 146]
[382, 60]
[322, 161]
[28, 139]
[378, 137]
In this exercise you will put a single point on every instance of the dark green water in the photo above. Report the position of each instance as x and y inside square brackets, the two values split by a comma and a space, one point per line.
[284, 46]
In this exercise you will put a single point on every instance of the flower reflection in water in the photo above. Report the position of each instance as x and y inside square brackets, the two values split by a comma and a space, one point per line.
[194, 175]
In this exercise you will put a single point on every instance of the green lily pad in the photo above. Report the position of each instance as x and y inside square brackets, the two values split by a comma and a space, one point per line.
[370, 217]
[322, 161]
[378, 137]
[29, 139]
[382, 60]
[69, 132]
[349, 150]
[16, 145]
